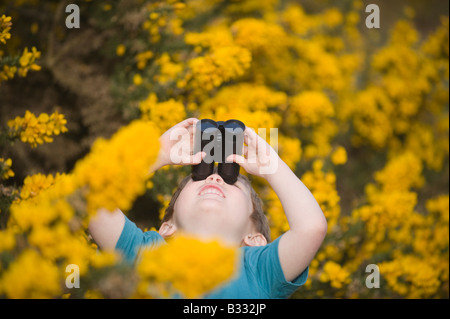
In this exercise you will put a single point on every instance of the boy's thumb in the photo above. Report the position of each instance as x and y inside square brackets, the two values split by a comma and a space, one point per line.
[236, 159]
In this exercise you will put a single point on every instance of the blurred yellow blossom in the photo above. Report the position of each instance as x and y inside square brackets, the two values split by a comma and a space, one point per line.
[24, 278]
[5, 27]
[169, 71]
[110, 183]
[181, 265]
[27, 60]
[410, 276]
[7, 240]
[401, 173]
[311, 107]
[120, 50]
[137, 79]
[323, 186]
[220, 65]
[142, 59]
[8, 72]
[5, 168]
[334, 273]
[339, 156]
[164, 114]
[32, 185]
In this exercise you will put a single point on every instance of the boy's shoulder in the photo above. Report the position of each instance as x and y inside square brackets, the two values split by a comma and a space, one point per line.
[133, 238]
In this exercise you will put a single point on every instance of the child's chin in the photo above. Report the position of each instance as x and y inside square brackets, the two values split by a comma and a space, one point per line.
[211, 196]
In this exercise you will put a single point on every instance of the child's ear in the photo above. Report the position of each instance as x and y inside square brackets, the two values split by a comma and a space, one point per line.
[256, 239]
[167, 229]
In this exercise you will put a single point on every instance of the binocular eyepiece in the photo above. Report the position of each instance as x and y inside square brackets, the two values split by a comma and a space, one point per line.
[218, 140]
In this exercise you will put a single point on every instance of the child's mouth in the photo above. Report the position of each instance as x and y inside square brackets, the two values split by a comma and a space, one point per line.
[210, 189]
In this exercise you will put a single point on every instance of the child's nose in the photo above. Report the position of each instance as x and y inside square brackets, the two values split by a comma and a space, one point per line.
[215, 178]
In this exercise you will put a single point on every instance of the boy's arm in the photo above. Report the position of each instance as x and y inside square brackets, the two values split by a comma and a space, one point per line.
[106, 227]
[308, 226]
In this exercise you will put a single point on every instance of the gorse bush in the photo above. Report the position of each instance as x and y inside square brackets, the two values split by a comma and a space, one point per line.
[363, 122]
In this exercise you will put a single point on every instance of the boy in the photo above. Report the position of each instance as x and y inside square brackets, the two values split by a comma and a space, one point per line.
[211, 208]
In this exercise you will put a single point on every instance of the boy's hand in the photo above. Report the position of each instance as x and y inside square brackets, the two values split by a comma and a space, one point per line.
[259, 158]
[176, 145]
[307, 223]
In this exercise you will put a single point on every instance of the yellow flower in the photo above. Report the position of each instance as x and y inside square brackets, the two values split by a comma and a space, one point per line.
[186, 265]
[40, 211]
[142, 59]
[169, 70]
[115, 171]
[120, 50]
[5, 27]
[7, 240]
[37, 130]
[33, 185]
[323, 187]
[311, 107]
[246, 96]
[5, 168]
[289, 150]
[58, 242]
[137, 79]
[255, 34]
[401, 173]
[26, 61]
[332, 17]
[339, 156]
[164, 200]
[8, 72]
[213, 37]
[439, 205]
[334, 273]
[220, 65]
[297, 20]
[103, 259]
[30, 276]
[411, 276]
[163, 114]
[275, 214]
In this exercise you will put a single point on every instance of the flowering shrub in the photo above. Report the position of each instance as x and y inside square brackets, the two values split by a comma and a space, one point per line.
[363, 121]
[15, 65]
[37, 130]
[180, 268]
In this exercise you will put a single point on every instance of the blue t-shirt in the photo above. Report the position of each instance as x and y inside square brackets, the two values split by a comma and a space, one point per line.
[260, 274]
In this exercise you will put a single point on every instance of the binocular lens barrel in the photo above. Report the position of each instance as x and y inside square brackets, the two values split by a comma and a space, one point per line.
[218, 140]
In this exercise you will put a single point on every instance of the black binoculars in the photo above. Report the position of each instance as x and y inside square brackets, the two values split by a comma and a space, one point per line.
[218, 140]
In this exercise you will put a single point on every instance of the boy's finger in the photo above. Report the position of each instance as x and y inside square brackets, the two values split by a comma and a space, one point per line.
[197, 158]
[250, 134]
[245, 153]
[190, 129]
[192, 121]
[236, 159]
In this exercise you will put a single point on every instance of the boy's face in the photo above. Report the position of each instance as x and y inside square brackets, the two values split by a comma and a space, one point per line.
[212, 208]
